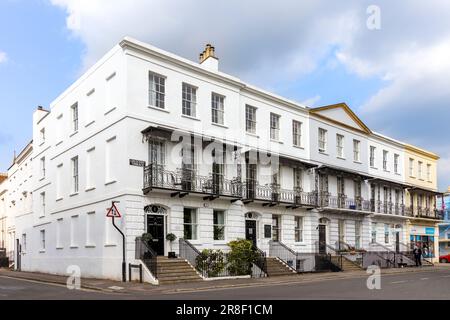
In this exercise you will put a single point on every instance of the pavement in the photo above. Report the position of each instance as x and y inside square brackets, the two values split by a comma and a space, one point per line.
[311, 282]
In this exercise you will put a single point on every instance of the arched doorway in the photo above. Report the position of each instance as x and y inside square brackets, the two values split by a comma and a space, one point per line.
[323, 235]
[156, 226]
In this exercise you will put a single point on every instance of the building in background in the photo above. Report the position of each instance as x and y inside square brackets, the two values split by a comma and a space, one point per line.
[421, 200]
[3, 212]
[189, 150]
[444, 227]
[16, 200]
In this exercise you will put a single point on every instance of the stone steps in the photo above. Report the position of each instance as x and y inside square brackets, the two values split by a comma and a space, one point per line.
[276, 267]
[171, 271]
[347, 265]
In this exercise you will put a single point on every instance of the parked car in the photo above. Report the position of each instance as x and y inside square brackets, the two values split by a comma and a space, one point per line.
[444, 259]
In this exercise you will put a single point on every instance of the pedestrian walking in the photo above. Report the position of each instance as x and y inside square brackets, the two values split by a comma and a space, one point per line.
[419, 256]
[416, 255]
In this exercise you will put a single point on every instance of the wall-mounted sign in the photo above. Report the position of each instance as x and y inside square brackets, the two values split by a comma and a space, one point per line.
[137, 163]
[267, 231]
[421, 230]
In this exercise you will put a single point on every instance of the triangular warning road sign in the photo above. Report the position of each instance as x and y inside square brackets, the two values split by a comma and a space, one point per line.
[113, 212]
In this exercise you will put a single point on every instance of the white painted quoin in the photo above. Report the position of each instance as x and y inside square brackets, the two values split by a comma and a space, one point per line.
[137, 103]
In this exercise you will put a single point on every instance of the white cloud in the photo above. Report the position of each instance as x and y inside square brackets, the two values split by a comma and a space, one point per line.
[3, 57]
[272, 43]
[311, 102]
[260, 42]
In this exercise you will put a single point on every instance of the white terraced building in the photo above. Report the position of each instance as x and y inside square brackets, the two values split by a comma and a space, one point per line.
[189, 150]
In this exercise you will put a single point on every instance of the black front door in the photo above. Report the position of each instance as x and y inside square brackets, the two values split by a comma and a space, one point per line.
[397, 241]
[19, 255]
[322, 239]
[250, 231]
[155, 226]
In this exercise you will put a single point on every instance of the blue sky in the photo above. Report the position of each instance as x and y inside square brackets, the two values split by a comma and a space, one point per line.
[318, 52]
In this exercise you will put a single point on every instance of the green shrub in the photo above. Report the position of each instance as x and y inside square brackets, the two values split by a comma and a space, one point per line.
[146, 237]
[171, 237]
[210, 262]
[241, 257]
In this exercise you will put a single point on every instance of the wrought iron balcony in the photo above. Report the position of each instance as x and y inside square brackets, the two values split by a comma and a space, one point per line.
[326, 200]
[184, 181]
[274, 194]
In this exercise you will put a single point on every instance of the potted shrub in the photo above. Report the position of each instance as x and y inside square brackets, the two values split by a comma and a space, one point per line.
[147, 237]
[171, 237]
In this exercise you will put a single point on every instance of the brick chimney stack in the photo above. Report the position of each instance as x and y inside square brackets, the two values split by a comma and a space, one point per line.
[208, 58]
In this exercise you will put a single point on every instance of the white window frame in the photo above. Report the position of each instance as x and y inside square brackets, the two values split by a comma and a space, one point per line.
[386, 233]
[385, 160]
[189, 100]
[429, 173]
[372, 154]
[75, 175]
[340, 152]
[42, 162]
[74, 112]
[420, 170]
[42, 240]
[24, 242]
[356, 150]
[59, 223]
[193, 224]
[217, 108]
[274, 126]
[156, 90]
[277, 227]
[396, 162]
[411, 167]
[219, 225]
[42, 200]
[358, 234]
[298, 228]
[250, 119]
[373, 232]
[297, 127]
[323, 133]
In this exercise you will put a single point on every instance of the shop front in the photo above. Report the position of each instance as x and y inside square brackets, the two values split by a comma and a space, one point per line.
[425, 237]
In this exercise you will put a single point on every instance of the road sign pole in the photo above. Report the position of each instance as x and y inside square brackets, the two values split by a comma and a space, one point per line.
[124, 264]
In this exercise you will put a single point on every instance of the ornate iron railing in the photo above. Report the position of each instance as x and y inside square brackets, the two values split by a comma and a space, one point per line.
[213, 264]
[147, 255]
[260, 261]
[156, 176]
[287, 255]
[189, 252]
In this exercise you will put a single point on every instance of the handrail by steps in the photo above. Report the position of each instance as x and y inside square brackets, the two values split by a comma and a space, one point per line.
[285, 254]
[145, 253]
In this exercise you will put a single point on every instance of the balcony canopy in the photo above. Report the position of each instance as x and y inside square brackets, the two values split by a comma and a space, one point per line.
[390, 183]
[341, 172]
[426, 191]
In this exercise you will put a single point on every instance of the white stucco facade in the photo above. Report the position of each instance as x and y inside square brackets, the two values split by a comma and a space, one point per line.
[83, 144]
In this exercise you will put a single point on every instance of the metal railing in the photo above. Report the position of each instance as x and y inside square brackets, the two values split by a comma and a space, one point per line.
[147, 255]
[215, 263]
[260, 261]
[188, 252]
[287, 255]
[327, 257]
[156, 176]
